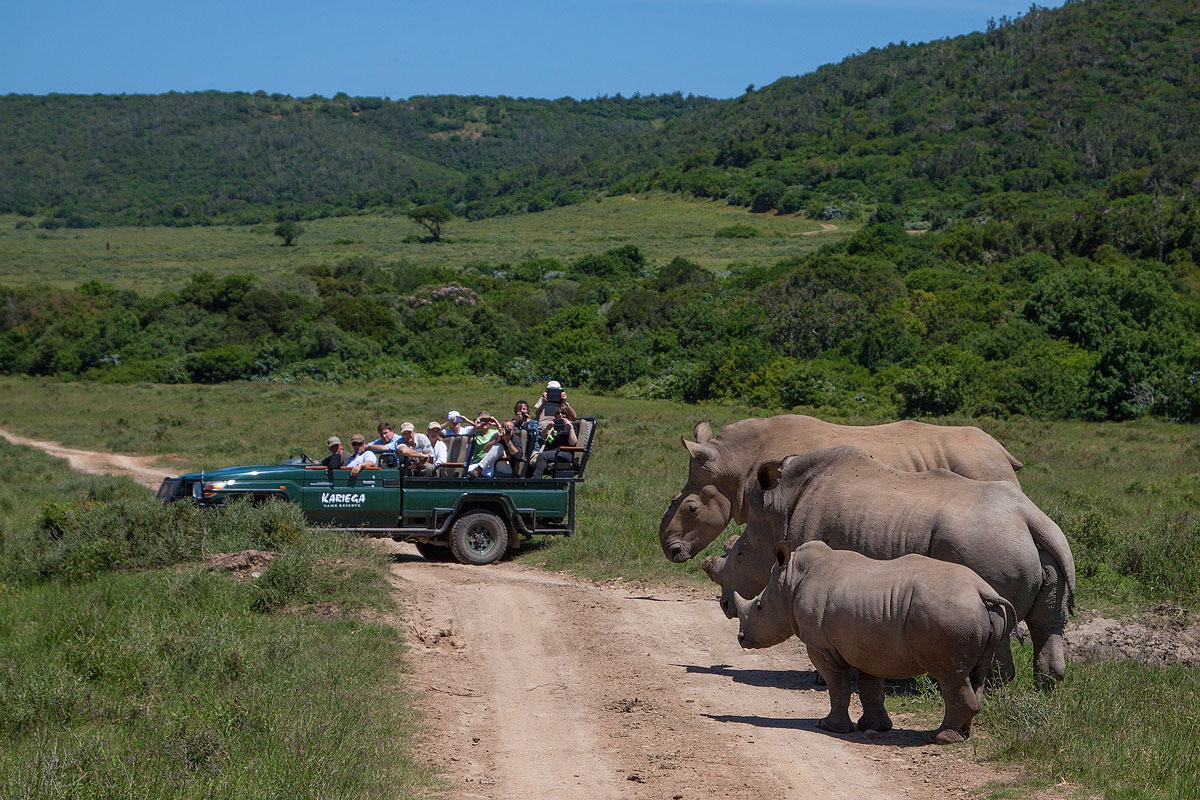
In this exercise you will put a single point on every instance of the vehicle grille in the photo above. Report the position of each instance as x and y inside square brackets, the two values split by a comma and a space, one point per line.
[168, 488]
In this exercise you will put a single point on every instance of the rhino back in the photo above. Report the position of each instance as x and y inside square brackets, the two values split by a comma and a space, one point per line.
[895, 618]
[884, 513]
[906, 445]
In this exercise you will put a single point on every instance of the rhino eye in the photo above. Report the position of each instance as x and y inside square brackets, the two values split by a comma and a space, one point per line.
[693, 508]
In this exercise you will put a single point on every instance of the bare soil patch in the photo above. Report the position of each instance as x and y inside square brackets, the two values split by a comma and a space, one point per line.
[245, 565]
[1163, 635]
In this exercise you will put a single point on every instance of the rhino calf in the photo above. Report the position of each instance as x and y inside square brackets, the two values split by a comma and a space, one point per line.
[888, 619]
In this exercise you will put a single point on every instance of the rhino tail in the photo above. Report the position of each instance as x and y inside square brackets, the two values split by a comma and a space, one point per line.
[1052, 544]
[1016, 464]
[1002, 615]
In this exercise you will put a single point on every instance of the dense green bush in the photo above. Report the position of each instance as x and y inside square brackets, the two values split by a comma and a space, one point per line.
[913, 324]
[738, 231]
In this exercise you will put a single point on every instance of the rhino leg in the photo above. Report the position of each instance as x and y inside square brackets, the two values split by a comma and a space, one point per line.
[870, 692]
[837, 679]
[1047, 620]
[962, 704]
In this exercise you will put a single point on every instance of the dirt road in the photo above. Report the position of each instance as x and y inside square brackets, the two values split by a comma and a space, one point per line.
[138, 468]
[539, 685]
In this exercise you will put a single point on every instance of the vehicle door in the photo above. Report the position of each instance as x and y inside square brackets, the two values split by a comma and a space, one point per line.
[370, 499]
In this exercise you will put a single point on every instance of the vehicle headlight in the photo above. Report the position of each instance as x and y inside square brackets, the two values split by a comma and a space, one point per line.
[197, 489]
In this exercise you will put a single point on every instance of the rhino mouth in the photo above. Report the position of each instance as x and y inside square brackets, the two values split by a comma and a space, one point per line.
[678, 552]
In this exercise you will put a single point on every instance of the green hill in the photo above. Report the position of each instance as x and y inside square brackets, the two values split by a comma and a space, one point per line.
[1076, 124]
[195, 158]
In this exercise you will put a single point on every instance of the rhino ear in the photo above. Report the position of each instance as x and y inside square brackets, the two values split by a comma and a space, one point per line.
[768, 474]
[702, 431]
[702, 453]
[783, 553]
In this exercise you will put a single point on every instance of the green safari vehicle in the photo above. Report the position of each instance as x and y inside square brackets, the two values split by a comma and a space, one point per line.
[477, 520]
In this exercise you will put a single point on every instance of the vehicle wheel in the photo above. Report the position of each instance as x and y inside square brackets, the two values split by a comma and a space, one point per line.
[434, 552]
[479, 538]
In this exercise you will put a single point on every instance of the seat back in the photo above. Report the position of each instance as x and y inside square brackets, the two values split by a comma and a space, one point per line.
[583, 440]
[458, 455]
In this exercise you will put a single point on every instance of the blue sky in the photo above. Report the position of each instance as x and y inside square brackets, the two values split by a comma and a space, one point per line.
[577, 48]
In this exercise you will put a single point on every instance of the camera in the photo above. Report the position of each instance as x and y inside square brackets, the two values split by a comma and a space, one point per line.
[554, 395]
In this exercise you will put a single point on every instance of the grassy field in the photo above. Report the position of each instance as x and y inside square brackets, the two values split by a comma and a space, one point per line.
[1127, 496]
[129, 670]
[1106, 484]
[151, 259]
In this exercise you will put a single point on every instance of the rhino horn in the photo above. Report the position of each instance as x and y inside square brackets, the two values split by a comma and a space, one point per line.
[741, 604]
[732, 541]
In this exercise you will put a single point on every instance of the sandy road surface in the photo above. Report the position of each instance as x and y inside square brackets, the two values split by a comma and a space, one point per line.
[539, 685]
[138, 468]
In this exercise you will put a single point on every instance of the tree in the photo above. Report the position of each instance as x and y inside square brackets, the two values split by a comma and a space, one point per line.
[289, 231]
[431, 218]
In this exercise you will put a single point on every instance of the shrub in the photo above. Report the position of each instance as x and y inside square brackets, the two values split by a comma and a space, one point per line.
[285, 579]
[739, 231]
[944, 383]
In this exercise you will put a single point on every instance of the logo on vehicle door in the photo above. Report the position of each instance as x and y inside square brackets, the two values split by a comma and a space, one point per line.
[342, 499]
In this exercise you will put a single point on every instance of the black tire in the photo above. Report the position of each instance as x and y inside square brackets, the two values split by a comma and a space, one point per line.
[434, 552]
[479, 538]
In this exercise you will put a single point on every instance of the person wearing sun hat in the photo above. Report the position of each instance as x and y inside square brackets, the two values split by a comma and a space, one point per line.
[458, 424]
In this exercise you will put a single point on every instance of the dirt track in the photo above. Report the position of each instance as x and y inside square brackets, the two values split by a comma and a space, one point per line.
[538, 685]
[138, 468]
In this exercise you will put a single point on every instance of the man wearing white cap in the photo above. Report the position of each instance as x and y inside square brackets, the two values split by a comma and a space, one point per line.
[546, 408]
[458, 425]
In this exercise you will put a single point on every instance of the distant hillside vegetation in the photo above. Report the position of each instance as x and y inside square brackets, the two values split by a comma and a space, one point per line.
[1076, 125]
[184, 159]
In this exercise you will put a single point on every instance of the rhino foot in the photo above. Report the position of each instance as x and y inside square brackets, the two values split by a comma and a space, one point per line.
[947, 736]
[836, 724]
[872, 722]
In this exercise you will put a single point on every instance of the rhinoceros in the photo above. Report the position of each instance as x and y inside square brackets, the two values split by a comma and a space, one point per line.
[720, 466]
[851, 501]
[887, 619]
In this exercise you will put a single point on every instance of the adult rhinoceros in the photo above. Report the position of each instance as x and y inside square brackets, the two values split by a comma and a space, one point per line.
[720, 466]
[849, 500]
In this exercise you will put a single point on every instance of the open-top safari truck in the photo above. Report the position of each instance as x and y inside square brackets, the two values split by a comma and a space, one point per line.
[476, 519]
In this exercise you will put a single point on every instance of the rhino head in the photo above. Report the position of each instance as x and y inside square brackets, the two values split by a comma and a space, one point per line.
[766, 619]
[746, 564]
[703, 509]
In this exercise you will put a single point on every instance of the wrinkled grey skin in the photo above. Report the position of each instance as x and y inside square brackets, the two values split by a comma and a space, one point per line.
[887, 619]
[850, 501]
[719, 467]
